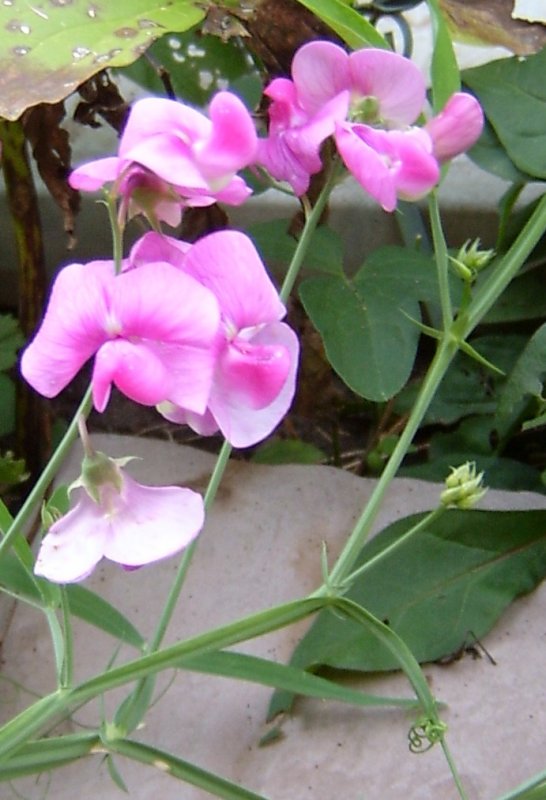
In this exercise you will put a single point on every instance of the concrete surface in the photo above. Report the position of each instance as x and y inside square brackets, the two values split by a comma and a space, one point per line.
[261, 546]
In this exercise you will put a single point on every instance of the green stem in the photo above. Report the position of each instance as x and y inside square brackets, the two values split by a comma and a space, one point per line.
[49, 473]
[312, 219]
[176, 588]
[347, 558]
[117, 232]
[178, 768]
[67, 671]
[454, 771]
[421, 525]
[491, 289]
[442, 260]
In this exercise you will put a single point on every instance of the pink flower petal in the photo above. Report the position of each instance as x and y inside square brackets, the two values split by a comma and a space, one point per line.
[232, 143]
[92, 176]
[253, 374]
[242, 425]
[228, 264]
[75, 544]
[203, 424]
[72, 328]
[152, 523]
[457, 127]
[320, 71]
[395, 81]
[154, 116]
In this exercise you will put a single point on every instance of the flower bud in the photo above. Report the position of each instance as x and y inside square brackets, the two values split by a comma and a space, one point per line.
[470, 260]
[464, 487]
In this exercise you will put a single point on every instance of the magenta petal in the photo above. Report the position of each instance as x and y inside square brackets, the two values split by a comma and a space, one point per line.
[158, 247]
[72, 329]
[253, 374]
[153, 116]
[228, 264]
[74, 545]
[92, 176]
[320, 71]
[366, 165]
[159, 302]
[457, 127]
[135, 369]
[232, 143]
[243, 426]
[170, 157]
[152, 523]
[395, 81]
[418, 170]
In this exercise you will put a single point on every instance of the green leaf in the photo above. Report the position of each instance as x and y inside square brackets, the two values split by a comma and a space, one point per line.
[17, 581]
[288, 451]
[352, 27]
[259, 670]
[11, 339]
[489, 154]
[455, 577]
[518, 84]
[48, 50]
[91, 608]
[12, 470]
[523, 299]
[366, 322]
[115, 774]
[198, 67]
[524, 382]
[444, 69]
[276, 246]
[468, 388]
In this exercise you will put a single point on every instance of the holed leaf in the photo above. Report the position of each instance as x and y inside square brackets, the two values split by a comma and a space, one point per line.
[47, 50]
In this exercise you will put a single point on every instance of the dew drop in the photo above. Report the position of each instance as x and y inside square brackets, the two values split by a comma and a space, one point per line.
[39, 12]
[61, 3]
[7, 2]
[15, 26]
[194, 51]
[126, 33]
[92, 12]
[144, 24]
[174, 44]
[102, 58]
[21, 51]
[80, 52]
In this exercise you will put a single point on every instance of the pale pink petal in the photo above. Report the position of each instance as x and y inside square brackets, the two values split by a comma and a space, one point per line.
[395, 81]
[232, 143]
[457, 127]
[252, 374]
[152, 523]
[320, 71]
[192, 370]
[234, 193]
[203, 424]
[241, 425]
[74, 545]
[92, 176]
[72, 329]
[228, 264]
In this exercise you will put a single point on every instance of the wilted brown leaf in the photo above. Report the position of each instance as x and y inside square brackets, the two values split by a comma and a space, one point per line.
[491, 22]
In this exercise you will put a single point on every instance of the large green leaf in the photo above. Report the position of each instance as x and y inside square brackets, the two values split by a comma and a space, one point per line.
[524, 382]
[367, 322]
[449, 582]
[47, 50]
[516, 84]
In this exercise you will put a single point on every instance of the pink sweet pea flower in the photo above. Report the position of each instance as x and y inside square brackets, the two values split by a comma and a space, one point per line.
[151, 329]
[457, 127]
[291, 151]
[121, 520]
[389, 164]
[256, 355]
[179, 154]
